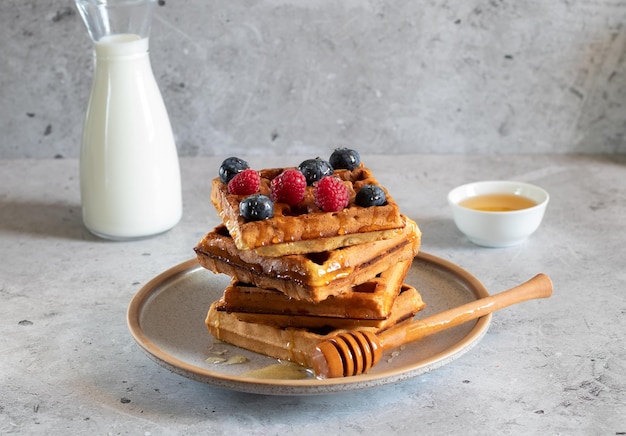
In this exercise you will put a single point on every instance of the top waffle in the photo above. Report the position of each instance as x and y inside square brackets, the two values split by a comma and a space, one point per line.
[305, 228]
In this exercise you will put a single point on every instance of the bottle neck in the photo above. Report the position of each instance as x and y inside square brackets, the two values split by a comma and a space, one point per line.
[121, 46]
[108, 17]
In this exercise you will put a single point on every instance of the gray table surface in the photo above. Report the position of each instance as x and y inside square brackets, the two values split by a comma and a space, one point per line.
[70, 366]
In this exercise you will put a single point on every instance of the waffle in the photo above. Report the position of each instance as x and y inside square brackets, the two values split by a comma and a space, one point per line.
[290, 343]
[371, 300]
[408, 299]
[305, 228]
[312, 277]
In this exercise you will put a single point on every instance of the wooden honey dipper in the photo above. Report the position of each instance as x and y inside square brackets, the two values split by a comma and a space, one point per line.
[356, 352]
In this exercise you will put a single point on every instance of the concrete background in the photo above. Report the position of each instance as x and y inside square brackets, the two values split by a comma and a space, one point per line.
[302, 76]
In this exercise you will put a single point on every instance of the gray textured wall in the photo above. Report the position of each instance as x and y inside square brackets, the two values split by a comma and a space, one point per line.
[304, 76]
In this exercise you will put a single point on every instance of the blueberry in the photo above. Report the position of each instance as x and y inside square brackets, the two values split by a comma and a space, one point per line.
[345, 158]
[315, 169]
[230, 167]
[256, 207]
[370, 195]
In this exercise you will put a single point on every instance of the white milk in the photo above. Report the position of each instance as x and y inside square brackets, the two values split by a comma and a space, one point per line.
[129, 172]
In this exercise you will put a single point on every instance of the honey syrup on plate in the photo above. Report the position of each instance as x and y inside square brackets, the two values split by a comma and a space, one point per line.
[281, 371]
[498, 202]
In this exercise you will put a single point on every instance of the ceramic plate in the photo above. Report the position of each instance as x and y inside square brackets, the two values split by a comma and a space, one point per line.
[166, 318]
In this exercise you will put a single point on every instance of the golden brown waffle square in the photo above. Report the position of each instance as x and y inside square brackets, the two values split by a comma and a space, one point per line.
[305, 228]
[370, 301]
[313, 276]
[291, 343]
[408, 301]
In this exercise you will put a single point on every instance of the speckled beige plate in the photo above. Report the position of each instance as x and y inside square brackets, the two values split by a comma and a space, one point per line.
[166, 318]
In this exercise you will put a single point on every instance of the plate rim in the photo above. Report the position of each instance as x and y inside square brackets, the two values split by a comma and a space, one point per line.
[308, 386]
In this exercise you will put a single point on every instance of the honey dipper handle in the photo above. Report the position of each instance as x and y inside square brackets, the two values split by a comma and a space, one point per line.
[539, 286]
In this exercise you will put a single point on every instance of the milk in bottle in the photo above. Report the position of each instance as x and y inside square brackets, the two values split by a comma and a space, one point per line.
[129, 171]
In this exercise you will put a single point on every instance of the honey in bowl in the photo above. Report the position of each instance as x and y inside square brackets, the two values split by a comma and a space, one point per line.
[498, 202]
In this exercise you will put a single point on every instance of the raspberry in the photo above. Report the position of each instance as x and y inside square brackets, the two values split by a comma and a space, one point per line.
[331, 194]
[246, 182]
[288, 187]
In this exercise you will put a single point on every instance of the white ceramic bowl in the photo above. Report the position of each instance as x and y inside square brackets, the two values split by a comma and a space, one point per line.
[498, 228]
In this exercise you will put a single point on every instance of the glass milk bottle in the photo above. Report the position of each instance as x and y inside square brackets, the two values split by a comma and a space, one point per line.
[129, 171]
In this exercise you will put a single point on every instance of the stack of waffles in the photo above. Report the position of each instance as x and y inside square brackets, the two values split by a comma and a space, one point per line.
[303, 274]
